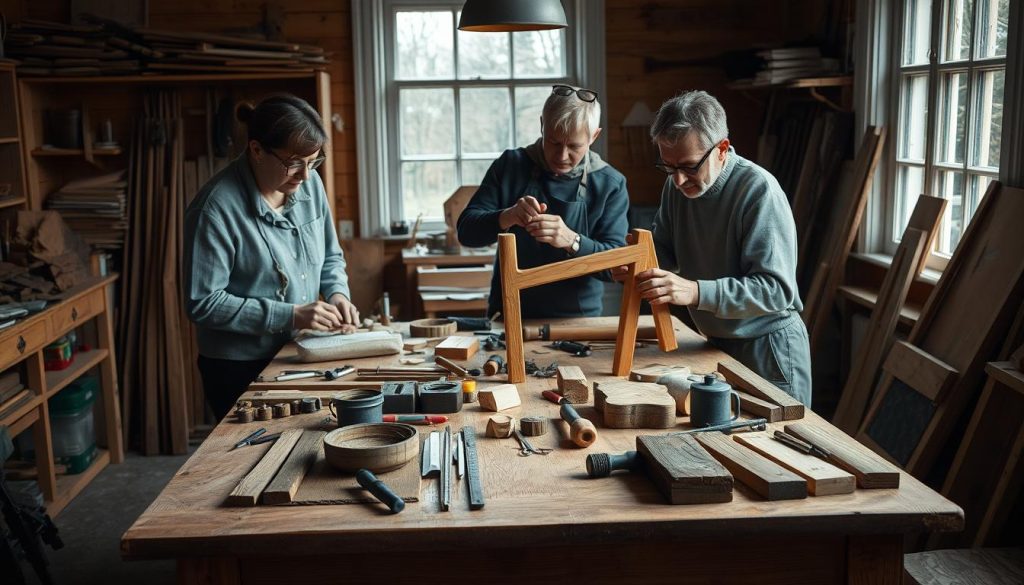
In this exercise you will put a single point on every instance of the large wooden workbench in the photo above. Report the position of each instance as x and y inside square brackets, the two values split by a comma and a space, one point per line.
[544, 521]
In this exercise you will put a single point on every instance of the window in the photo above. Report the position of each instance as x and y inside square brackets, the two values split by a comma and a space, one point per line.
[450, 102]
[949, 65]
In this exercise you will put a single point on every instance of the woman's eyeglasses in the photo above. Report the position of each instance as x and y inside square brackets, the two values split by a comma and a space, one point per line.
[690, 171]
[586, 95]
[292, 166]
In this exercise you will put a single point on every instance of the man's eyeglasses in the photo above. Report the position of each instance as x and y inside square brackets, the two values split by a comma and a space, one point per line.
[293, 166]
[586, 95]
[691, 171]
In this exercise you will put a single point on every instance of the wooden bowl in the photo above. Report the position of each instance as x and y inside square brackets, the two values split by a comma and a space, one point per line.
[375, 446]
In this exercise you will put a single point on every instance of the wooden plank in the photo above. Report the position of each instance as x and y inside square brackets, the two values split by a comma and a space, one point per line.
[500, 397]
[743, 377]
[283, 487]
[573, 384]
[248, 491]
[634, 405]
[1003, 566]
[457, 347]
[769, 479]
[871, 471]
[683, 471]
[922, 372]
[760, 408]
[823, 478]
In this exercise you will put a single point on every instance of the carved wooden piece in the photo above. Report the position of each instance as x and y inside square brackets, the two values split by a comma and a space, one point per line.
[634, 405]
[639, 255]
[573, 384]
[500, 426]
[823, 478]
[683, 471]
[654, 373]
[499, 397]
[770, 480]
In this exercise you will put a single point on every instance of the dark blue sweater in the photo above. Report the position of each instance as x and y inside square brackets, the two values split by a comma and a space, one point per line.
[599, 217]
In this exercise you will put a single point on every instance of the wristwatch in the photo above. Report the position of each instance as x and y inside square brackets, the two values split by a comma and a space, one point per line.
[575, 247]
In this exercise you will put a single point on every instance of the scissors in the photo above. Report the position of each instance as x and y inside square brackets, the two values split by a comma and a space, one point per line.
[525, 448]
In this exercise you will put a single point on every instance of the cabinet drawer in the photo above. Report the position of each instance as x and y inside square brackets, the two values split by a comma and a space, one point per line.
[73, 313]
[15, 345]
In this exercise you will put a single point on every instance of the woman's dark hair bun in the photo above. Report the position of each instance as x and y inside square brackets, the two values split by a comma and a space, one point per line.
[244, 112]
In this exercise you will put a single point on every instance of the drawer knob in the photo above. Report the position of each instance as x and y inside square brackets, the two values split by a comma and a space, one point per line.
[21, 344]
[74, 313]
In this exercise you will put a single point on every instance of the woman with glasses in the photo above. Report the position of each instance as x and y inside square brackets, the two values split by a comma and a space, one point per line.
[559, 199]
[726, 245]
[260, 249]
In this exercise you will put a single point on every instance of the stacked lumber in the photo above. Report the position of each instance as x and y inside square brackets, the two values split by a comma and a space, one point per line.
[95, 208]
[107, 48]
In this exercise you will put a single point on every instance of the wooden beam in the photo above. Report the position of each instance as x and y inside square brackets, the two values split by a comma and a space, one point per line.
[283, 487]
[683, 471]
[770, 480]
[823, 478]
[743, 377]
[870, 470]
[248, 491]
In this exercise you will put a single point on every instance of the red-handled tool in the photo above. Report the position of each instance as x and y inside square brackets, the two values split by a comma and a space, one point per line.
[415, 419]
[581, 431]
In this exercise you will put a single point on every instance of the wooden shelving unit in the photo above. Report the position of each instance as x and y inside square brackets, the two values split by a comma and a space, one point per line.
[22, 346]
[13, 182]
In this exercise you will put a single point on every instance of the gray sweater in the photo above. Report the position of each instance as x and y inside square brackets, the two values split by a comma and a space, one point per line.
[738, 242]
[245, 266]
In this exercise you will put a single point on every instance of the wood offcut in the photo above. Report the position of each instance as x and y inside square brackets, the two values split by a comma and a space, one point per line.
[770, 480]
[683, 471]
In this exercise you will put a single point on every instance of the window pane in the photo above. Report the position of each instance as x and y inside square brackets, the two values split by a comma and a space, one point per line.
[483, 55]
[538, 53]
[529, 103]
[917, 25]
[950, 186]
[957, 30]
[909, 186]
[424, 45]
[988, 118]
[485, 118]
[425, 187]
[949, 147]
[913, 117]
[427, 121]
[473, 171]
[978, 185]
[993, 16]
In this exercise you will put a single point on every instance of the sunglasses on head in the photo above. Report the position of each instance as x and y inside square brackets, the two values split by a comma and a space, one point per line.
[586, 95]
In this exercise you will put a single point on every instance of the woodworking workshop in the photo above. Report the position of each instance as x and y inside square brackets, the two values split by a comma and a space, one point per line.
[517, 292]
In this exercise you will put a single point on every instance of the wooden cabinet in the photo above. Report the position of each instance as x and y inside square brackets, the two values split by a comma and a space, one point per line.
[21, 346]
[13, 187]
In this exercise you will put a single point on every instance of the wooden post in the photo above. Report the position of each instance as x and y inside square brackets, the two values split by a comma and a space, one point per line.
[512, 314]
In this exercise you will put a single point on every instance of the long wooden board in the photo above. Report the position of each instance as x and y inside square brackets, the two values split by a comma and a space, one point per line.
[248, 491]
[823, 478]
[683, 471]
[746, 379]
[759, 407]
[769, 479]
[871, 471]
[283, 487]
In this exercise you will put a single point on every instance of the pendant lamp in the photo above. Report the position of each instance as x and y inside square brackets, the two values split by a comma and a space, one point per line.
[511, 15]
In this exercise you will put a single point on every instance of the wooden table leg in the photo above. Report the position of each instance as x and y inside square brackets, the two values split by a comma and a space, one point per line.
[209, 571]
[874, 560]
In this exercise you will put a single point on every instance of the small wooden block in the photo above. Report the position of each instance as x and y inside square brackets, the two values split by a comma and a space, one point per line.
[742, 377]
[653, 373]
[283, 487]
[770, 480]
[634, 405]
[573, 384]
[499, 397]
[533, 426]
[500, 426]
[760, 408]
[871, 471]
[823, 478]
[457, 347]
[248, 491]
[683, 471]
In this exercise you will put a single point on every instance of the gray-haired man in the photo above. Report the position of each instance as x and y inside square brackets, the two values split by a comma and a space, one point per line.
[726, 245]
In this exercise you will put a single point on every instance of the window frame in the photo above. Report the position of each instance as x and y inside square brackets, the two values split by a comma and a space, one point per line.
[377, 91]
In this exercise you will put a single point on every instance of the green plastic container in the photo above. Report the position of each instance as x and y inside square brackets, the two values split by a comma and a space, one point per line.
[72, 426]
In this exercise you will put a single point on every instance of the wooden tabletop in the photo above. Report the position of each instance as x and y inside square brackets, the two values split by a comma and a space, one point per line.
[536, 500]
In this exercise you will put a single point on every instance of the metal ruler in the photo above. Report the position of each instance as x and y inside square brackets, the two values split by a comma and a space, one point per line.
[476, 490]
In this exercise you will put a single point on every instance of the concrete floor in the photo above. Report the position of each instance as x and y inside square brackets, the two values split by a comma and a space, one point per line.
[92, 524]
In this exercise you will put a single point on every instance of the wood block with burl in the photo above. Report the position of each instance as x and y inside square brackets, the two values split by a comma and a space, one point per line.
[500, 397]
[573, 384]
[770, 480]
[634, 405]
[871, 471]
[823, 478]
[457, 347]
[683, 471]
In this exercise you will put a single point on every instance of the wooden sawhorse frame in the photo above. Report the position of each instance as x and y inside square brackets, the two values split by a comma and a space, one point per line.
[638, 255]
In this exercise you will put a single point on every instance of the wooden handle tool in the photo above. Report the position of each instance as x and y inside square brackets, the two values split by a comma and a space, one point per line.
[380, 490]
[603, 464]
[581, 431]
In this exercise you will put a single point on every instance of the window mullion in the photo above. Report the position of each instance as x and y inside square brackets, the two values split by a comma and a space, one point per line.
[938, 38]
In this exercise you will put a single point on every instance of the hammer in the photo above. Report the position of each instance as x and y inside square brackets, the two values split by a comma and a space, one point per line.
[581, 431]
[494, 364]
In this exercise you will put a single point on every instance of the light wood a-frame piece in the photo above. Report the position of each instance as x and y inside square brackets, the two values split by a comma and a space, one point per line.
[638, 255]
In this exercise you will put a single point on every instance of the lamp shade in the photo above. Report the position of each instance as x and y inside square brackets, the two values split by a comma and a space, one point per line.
[511, 15]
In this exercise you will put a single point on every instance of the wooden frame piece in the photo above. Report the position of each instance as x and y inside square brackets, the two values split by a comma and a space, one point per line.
[922, 372]
[638, 255]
